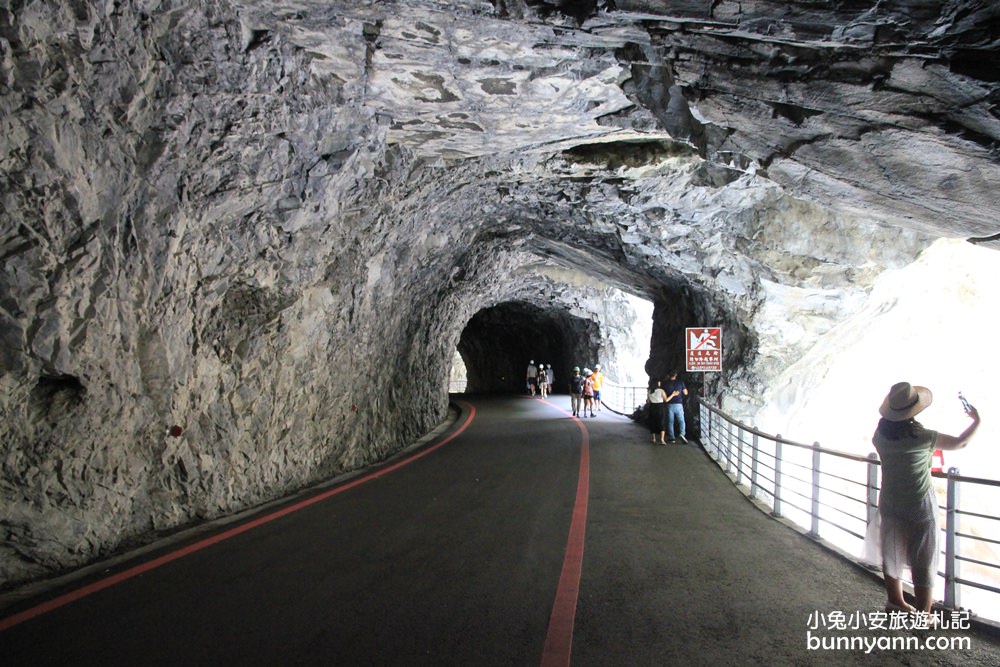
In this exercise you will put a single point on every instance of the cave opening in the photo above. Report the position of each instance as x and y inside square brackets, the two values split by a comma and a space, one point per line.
[498, 343]
[632, 325]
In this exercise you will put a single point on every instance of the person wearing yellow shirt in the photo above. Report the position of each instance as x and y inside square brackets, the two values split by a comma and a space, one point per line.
[598, 378]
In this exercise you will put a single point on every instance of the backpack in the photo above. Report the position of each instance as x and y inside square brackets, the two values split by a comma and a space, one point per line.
[577, 385]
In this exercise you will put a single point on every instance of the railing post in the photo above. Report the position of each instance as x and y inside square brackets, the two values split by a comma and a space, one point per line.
[814, 512]
[729, 448]
[720, 437]
[872, 557]
[753, 466]
[710, 416]
[951, 564]
[872, 487]
[716, 436]
[739, 456]
[708, 434]
[777, 476]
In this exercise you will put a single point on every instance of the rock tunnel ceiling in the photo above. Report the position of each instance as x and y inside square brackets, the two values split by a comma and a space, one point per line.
[234, 232]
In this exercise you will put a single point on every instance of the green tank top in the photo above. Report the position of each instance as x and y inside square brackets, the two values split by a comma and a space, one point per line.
[906, 467]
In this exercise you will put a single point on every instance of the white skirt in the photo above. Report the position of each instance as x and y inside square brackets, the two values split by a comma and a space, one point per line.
[911, 542]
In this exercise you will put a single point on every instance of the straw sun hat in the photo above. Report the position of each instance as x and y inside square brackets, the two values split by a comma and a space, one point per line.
[905, 401]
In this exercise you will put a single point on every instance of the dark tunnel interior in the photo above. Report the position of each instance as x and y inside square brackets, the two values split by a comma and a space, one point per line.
[498, 343]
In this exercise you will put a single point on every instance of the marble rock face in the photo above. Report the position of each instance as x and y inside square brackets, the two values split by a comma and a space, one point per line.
[237, 235]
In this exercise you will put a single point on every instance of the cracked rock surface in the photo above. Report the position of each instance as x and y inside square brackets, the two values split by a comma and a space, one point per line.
[235, 235]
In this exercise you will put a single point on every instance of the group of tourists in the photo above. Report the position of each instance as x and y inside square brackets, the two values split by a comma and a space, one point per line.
[539, 378]
[666, 410]
[584, 387]
[585, 391]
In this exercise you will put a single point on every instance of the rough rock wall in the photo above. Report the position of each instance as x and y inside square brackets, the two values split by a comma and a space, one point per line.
[190, 245]
[234, 234]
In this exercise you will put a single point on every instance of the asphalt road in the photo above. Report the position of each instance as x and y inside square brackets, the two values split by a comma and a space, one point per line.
[474, 553]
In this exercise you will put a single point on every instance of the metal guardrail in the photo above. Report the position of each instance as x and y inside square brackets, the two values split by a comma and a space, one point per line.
[622, 399]
[835, 494]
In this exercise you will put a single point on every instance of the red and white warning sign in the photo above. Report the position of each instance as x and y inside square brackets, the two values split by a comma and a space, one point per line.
[704, 350]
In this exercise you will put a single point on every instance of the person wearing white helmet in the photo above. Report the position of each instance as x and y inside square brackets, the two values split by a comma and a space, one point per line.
[532, 377]
[588, 392]
[576, 391]
[543, 381]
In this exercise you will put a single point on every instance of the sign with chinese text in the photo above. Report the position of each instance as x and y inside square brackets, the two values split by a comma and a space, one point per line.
[704, 350]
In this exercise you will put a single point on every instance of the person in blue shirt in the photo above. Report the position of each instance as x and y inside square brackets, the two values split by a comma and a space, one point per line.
[676, 391]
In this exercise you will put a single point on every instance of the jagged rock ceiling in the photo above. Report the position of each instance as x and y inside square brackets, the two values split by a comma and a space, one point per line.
[235, 234]
[889, 112]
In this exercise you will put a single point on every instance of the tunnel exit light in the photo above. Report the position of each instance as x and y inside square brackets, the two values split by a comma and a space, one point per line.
[704, 350]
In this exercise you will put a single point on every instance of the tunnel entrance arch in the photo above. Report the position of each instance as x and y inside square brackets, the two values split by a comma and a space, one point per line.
[498, 343]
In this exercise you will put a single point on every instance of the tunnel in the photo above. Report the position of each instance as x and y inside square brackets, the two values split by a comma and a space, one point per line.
[499, 342]
[235, 237]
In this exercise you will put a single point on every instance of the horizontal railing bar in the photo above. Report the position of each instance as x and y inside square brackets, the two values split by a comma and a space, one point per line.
[966, 559]
[977, 514]
[968, 480]
[770, 480]
[977, 538]
[842, 528]
[798, 493]
[844, 479]
[791, 504]
[847, 514]
[976, 584]
[766, 467]
[807, 482]
[803, 466]
[859, 501]
[844, 512]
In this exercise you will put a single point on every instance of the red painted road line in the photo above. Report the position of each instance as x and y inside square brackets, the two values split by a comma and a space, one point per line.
[559, 638]
[108, 582]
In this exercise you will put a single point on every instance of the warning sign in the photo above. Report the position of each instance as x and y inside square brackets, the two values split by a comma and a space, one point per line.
[704, 350]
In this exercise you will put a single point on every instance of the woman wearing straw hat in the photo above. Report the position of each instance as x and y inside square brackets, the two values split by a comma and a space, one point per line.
[907, 505]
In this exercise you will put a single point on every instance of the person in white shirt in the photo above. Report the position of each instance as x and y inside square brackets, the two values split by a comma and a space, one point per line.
[657, 401]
